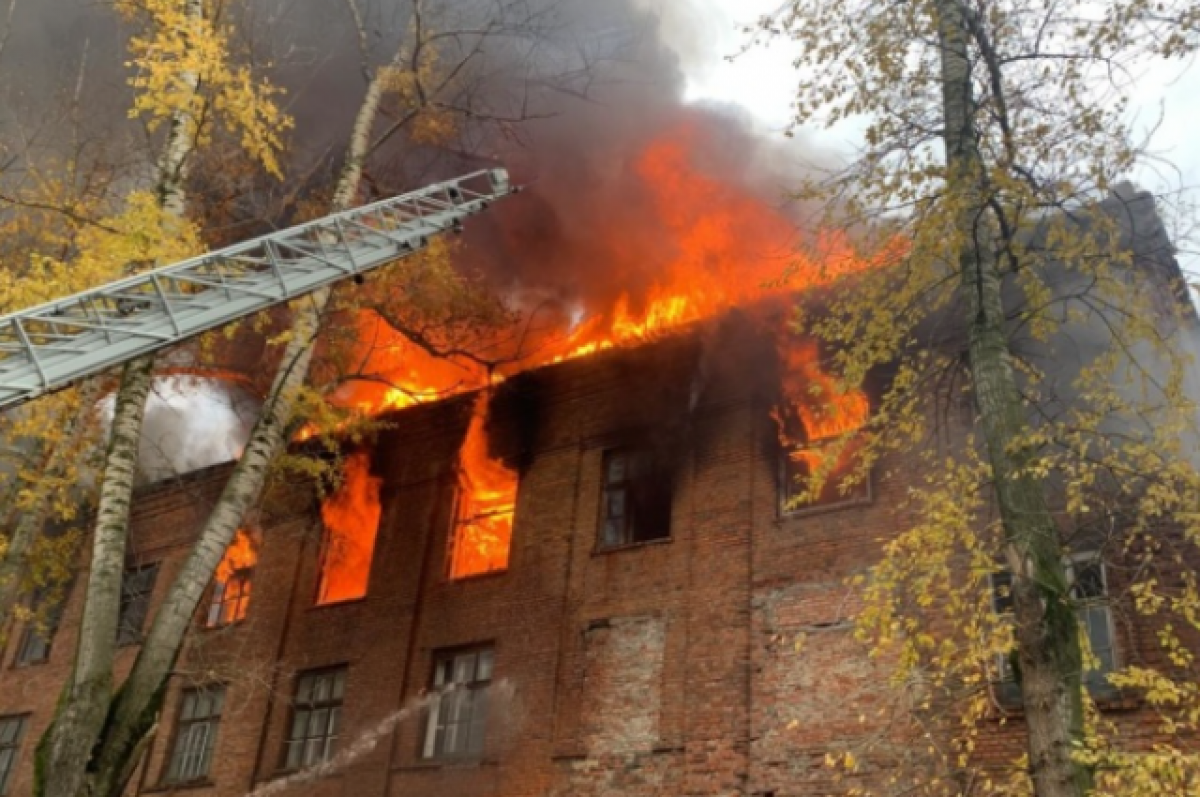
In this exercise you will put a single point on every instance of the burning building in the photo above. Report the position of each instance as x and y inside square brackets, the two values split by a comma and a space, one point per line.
[588, 579]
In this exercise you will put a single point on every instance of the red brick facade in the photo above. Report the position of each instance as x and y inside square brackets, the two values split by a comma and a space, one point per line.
[716, 662]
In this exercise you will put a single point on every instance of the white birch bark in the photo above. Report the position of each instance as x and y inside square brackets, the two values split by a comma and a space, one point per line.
[134, 707]
[65, 756]
[1047, 632]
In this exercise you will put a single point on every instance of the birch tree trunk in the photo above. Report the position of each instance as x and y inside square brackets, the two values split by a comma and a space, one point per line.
[137, 703]
[1047, 629]
[65, 759]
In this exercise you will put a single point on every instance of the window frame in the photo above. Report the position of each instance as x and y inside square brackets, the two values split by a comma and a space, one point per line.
[458, 522]
[218, 598]
[431, 741]
[1007, 690]
[787, 481]
[7, 770]
[42, 629]
[333, 705]
[31, 635]
[184, 726]
[127, 634]
[636, 457]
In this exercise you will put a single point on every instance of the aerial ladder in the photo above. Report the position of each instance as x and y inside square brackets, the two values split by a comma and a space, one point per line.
[53, 345]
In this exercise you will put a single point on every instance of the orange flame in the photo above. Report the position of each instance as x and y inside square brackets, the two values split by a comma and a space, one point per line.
[716, 245]
[486, 502]
[232, 582]
[824, 413]
[719, 246]
[351, 517]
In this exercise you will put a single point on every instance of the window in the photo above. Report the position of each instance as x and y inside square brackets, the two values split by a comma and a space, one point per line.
[459, 713]
[636, 505]
[137, 587]
[316, 718]
[39, 631]
[35, 645]
[819, 422]
[11, 731]
[799, 466]
[230, 598]
[1089, 590]
[351, 518]
[196, 735]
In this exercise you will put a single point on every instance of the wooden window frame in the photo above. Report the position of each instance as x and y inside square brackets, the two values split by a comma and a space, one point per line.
[184, 726]
[1007, 690]
[219, 598]
[332, 705]
[11, 749]
[133, 633]
[637, 470]
[452, 696]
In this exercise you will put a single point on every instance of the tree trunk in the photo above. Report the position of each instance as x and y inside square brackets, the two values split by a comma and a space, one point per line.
[1047, 630]
[136, 704]
[66, 756]
[67, 747]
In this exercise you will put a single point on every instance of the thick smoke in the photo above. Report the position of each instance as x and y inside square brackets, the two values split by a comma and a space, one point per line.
[571, 94]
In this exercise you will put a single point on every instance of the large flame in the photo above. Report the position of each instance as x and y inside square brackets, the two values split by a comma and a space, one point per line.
[715, 245]
[486, 500]
[351, 517]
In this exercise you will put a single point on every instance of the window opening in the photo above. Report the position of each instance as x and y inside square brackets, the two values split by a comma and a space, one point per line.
[196, 734]
[636, 504]
[487, 496]
[12, 729]
[316, 718]
[232, 583]
[137, 587]
[818, 423]
[458, 715]
[39, 631]
[351, 518]
[1088, 580]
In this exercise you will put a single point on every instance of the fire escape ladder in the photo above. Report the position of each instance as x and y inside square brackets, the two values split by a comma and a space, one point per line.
[46, 348]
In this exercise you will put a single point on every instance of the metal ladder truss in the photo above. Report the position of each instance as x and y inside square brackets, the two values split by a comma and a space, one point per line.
[48, 347]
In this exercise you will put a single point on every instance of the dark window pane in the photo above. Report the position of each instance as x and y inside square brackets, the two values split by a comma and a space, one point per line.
[637, 500]
[1002, 592]
[11, 731]
[137, 587]
[1089, 581]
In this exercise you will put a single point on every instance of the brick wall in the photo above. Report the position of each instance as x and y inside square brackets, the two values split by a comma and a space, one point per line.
[715, 662]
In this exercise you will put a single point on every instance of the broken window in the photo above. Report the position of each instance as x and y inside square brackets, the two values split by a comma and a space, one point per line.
[12, 729]
[231, 583]
[458, 715]
[819, 422]
[482, 534]
[1089, 592]
[800, 465]
[196, 734]
[230, 599]
[316, 718]
[351, 517]
[137, 587]
[487, 498]
[636, 501]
